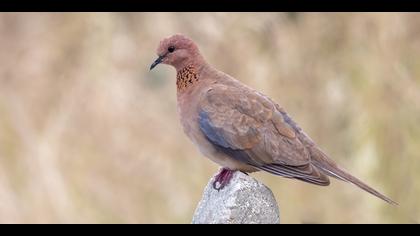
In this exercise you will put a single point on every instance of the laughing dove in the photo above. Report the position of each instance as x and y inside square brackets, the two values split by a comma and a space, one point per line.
[240, 128]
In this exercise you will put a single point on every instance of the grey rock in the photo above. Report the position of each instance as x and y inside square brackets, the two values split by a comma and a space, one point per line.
[243, 201]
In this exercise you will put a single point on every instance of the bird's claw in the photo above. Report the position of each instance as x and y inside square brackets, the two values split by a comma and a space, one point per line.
[222, 179]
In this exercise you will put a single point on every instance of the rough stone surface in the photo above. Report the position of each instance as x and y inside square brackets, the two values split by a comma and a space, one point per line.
[243, 201]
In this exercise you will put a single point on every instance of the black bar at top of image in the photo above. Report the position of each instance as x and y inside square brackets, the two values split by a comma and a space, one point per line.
[207, 5]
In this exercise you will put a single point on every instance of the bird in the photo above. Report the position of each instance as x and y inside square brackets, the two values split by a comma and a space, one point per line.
[240, 128]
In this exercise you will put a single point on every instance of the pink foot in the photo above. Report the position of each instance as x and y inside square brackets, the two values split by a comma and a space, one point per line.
[222, 178]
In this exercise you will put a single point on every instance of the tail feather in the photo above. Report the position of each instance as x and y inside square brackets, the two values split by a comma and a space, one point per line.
[321, 161]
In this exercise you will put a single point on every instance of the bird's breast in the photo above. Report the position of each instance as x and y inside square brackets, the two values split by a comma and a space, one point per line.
[188, 114]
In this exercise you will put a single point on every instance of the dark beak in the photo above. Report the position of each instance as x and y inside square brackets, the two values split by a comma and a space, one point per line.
[159, 60]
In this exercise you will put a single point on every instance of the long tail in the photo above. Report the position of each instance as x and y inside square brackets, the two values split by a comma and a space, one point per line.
[322, 161]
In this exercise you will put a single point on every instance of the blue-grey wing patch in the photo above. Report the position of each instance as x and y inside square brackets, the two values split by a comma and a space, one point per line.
[210, 131]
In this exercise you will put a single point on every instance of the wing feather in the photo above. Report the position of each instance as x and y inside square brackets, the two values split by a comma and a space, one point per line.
[250, 128]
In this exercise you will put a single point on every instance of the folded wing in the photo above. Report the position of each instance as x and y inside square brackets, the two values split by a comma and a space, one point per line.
[250, 128]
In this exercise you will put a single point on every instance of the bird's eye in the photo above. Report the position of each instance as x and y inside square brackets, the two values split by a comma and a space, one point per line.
[171, 49]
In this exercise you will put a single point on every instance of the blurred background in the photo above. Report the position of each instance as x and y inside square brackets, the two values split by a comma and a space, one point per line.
[89, 135]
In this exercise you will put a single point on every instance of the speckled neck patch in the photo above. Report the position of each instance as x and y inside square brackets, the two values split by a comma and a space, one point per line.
[186, 77]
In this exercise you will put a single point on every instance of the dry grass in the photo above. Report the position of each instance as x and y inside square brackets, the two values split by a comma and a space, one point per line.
[89, 135]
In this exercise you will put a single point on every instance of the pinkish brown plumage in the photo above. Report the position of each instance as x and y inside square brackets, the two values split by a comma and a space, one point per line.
[240, 128]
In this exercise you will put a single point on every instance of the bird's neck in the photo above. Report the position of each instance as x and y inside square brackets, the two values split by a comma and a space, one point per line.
[186, 77]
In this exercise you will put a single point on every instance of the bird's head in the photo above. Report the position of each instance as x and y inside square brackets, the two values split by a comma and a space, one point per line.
[178, 51]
